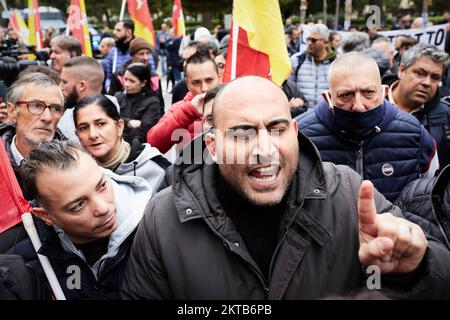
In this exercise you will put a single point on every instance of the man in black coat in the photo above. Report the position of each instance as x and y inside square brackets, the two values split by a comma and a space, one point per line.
[262, 217]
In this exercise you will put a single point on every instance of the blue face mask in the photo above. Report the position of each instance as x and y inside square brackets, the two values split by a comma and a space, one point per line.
[357, 123]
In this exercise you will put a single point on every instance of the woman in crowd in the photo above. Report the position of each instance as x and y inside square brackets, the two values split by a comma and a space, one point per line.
[100, 130]
[139, 107]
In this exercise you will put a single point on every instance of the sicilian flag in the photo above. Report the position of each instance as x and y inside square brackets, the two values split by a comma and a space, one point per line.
[77, 24]
[34, 25]
[12, 202]
[178, 19]
[257, 45]
[143, 23]
[17, 24]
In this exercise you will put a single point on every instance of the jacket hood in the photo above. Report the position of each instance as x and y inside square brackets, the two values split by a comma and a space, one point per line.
[194, 183]
[131, 195]
[142, 165]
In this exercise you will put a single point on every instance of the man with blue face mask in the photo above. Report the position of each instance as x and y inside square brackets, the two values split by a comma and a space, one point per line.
[355, 126]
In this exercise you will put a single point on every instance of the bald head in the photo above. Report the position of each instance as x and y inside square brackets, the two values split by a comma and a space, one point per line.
[242, 93]
[349, 65]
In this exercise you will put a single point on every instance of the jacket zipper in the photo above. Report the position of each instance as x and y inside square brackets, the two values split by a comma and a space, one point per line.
[359, 160]
[252, 267]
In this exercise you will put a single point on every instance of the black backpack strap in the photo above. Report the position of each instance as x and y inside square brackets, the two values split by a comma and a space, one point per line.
[300, 58]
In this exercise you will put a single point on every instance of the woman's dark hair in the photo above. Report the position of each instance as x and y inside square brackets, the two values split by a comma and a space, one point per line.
[101, 100]
[139, 70]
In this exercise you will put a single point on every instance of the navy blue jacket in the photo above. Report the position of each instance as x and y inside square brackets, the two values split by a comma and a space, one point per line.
[435, 117]
[393, 154]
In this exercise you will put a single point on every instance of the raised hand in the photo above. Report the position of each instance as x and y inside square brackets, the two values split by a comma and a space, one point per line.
[393, 244]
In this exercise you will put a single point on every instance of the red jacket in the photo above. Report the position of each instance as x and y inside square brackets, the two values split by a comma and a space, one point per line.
[181, 115]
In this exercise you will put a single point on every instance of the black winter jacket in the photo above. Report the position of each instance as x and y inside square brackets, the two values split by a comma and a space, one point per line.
[140, 106]
[187, 248]
[105, 287]
[435, 117]
[427, 203]
[20, 282]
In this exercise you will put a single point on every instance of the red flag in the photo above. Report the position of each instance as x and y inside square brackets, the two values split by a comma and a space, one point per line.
[260, 48]
[143, 23]
[34, 24]
[12, 202]
[77, 24]
[178, 19]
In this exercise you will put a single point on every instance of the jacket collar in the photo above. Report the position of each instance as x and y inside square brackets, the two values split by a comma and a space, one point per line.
[325, 116]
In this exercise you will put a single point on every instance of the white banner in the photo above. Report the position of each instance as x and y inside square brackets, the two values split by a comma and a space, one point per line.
[435, 35]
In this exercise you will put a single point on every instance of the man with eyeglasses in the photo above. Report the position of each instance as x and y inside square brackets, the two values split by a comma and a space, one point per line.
[35, 105]
[354, 125]
[310, 68]
[417, 92]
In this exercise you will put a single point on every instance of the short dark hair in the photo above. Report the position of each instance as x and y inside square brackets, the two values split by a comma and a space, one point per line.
[200, 47]
[140, 70]
[211, 94]
[128, 24]
[199, 58]
[56, 154]
[102, 101]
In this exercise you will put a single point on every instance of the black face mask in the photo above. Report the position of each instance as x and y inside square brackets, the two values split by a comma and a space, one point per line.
[358, 122]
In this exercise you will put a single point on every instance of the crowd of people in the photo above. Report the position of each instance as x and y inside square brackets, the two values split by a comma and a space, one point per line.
[277, 192]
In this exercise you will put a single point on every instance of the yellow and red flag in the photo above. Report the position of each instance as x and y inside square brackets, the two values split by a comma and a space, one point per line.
[34, 25]
[143, 23]
[17, 24]
[178, 19]
[77, 24]
[257, 44]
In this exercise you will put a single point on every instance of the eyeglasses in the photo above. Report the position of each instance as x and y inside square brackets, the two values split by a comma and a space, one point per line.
[37, 107]
[313, 40]
[220, 65]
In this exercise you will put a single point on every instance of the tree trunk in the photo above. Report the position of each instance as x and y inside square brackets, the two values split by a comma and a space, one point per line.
[207, 20]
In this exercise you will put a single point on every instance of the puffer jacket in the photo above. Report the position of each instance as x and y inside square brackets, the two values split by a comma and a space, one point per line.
[311, 78]
[186, 247]
[426, 202]
[101, 280]
[397, 151]
[140, 106]
[181, 115]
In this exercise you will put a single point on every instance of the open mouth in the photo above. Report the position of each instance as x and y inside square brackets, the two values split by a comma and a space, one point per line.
[94, 145]
[265, 174]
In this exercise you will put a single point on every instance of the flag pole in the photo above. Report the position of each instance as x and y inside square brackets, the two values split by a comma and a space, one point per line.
[30, 228]
[234, 49]
[122, 10]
